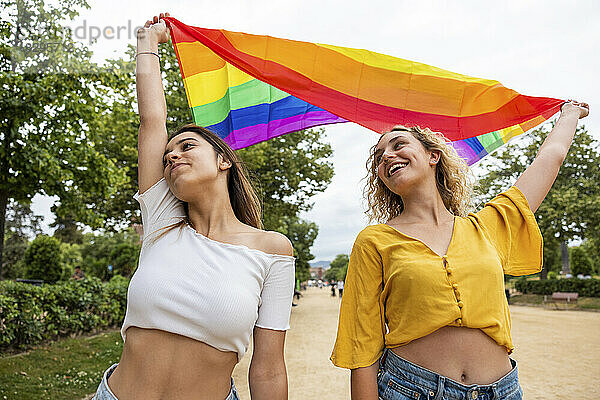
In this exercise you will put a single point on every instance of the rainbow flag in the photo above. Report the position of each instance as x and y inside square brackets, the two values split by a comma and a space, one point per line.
[250, 88]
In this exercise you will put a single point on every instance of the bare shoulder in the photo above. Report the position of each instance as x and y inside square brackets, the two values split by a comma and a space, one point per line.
[269, 242]
[276, 243]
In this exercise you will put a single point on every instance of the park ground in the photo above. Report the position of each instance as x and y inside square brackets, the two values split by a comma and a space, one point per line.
[558, 354]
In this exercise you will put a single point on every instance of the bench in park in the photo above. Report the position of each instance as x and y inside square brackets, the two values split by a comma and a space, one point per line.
[562, 298]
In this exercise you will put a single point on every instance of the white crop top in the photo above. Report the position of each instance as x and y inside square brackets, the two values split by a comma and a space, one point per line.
[207, 290]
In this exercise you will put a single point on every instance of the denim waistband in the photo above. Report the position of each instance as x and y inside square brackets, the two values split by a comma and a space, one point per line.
[440, 386]
[104, 392]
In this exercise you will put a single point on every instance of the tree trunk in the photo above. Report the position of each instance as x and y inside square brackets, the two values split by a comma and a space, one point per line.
[564, 255]
[3, 203]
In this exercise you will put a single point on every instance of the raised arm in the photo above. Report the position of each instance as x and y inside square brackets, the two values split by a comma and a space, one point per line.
[152, 136]
[536, 181]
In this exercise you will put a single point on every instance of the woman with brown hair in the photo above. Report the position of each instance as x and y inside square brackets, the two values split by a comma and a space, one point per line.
[208, 277]
[424, 315]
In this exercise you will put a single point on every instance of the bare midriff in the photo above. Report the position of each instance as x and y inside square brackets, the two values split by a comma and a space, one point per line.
[160, 365]
[465, 355]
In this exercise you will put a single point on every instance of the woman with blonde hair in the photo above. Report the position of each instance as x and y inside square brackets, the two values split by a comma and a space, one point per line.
[208, 277]
[424, 315]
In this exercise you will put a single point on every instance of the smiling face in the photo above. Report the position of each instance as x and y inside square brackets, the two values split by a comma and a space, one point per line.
[402, 161]
[190, 160]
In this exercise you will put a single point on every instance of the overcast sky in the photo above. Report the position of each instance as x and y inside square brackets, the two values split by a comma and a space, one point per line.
[538, 48]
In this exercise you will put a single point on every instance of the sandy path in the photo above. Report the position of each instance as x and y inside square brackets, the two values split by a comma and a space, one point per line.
[308, 346]
[558, 352]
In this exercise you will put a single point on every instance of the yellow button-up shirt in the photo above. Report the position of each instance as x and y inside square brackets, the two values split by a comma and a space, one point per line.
[398, 289]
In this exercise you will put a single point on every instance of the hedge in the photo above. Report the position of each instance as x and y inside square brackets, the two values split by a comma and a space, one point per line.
[33, 314]
[585, 287]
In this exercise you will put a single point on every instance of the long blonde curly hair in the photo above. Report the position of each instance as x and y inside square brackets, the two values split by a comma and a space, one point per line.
[454, 179]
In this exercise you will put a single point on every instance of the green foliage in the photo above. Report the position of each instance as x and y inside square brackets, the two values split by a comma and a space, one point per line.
[341, 276]
[33, 314]
[591, 246]
[53, 120]
[66, 229]
[70, 257]
[552, 275]
[330, 275]
[585, 287]
[124, 258]
[21, 221]
[289, 170]
[552, 258]
[337, 268]
[571, 210]
[302, 234]
[340, 261]
[20, 224]
[581, 263]
[43, 259]
[14, 250]
[119, 249]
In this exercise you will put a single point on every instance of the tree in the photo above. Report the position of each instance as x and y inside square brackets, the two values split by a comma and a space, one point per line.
[21, 220]
[591, 245]
[43, 259]
[14, 250]
[21, 224]
[120, 250]
[71, 257]
[330, 275]
[338, 268]
[571, 210]
[289, 170]
[124, 258]
[66, 229]
[340, 261]
[56, 96]
[302, 234]
[581, 262]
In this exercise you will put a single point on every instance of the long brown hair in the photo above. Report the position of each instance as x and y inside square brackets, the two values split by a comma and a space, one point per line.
[452, 176]
[242, 196]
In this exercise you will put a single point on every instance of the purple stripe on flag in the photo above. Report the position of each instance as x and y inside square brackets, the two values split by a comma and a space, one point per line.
[465, 152]
[259, 133]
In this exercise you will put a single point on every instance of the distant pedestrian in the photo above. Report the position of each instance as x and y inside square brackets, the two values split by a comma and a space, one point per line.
[340, 287]
[332, 284]
[78, 274]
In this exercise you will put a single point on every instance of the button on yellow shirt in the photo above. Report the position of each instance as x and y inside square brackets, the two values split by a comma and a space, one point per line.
[398, 289]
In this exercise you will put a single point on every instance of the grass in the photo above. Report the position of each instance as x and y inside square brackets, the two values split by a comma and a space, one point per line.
[66, 369]
[583, 303]
[589, 303]
[527, 299]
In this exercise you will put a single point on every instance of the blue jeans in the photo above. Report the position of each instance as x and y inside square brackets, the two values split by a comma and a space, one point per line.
[104, 392]
[400, 379]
